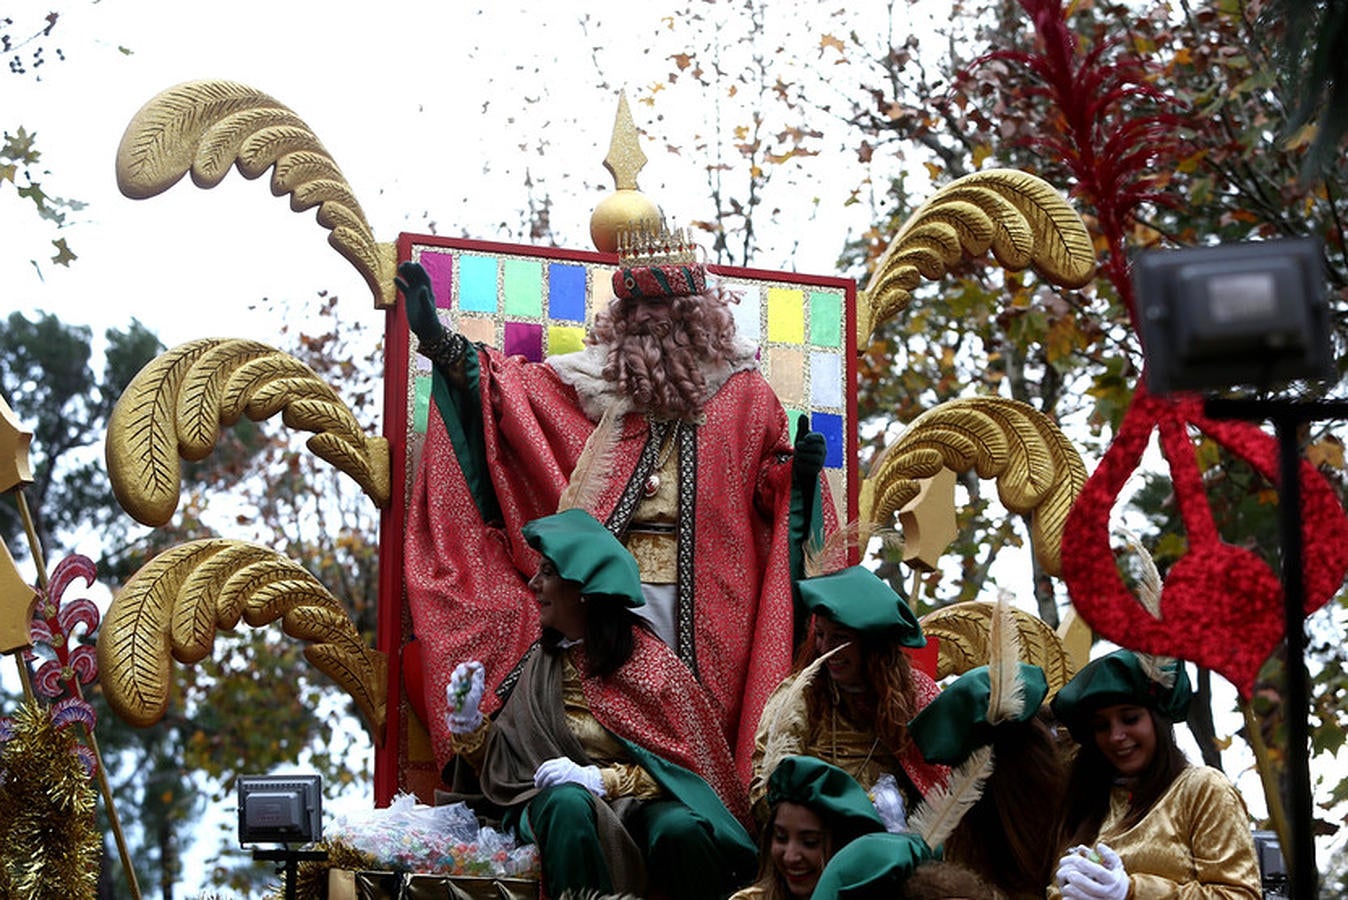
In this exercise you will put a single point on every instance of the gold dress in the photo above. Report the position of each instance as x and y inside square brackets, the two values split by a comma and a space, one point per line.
[1194, 843]
[835, 738]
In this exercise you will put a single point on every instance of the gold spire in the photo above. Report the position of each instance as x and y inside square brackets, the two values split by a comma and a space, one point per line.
[625, 158]
[626, 208]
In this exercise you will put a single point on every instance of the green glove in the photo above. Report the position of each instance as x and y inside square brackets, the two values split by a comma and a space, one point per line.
[811, 451]
[806, 517]
[415, 285]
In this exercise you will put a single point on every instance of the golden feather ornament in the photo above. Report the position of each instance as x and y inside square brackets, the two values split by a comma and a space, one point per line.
[204, 127]
[962, 631]
[175, 407]
[172, 608]
[1020, 217]
[1038, 471]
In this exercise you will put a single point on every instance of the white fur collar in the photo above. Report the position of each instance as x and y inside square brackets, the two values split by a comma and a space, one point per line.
[584, 371]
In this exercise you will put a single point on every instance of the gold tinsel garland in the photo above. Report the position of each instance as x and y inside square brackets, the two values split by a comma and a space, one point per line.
[49, 845]
[311, 878]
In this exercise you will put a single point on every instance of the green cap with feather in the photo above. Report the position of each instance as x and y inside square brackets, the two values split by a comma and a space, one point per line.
[956, 724]
[1122, 677]
[833, 794]
[873, 865]
[859, 599]
[586, 552]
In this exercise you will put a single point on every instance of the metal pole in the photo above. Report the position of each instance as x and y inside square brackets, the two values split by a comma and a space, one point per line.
[1303, 871]
[1287, 416]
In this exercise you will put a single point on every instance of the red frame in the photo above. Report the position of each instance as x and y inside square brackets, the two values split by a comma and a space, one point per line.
[391, 563]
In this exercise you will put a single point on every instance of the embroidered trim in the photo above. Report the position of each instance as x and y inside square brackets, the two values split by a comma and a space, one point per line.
[626, 508]
[446, 351]
[683, 613]
[507, 685]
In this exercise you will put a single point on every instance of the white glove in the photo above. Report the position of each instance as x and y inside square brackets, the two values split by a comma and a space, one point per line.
[1082, 878]
[561, 770]
[888, 800]
[463, 697]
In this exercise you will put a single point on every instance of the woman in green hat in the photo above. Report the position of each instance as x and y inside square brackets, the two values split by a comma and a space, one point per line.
[1140, 821]
[855, 713]
[886, 866]
[990, 716]
[607, 754]
[815, 809]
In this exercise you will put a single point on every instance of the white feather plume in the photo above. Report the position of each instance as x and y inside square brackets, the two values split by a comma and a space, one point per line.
[1160, 669]
[937, 816]
[787, 717]
[594, 468]
[1006, 695]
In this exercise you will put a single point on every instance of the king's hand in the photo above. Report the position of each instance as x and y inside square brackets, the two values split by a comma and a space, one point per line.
[415, 286]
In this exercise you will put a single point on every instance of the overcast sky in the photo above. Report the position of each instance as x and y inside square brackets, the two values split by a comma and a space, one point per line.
[435, 112]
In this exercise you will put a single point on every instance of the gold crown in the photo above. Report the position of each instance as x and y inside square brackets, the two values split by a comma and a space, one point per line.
[643, 246]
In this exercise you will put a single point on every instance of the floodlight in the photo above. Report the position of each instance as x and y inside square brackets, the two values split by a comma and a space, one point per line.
[1253, 313]
[280, 809]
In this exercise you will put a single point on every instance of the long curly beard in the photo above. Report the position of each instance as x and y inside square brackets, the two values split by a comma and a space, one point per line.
[660, 350]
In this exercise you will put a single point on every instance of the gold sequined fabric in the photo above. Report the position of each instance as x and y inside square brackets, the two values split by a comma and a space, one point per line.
[1194, 843]
[622, 777]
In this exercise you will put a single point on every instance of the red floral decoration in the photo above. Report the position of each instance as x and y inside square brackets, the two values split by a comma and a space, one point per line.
[1221, 605]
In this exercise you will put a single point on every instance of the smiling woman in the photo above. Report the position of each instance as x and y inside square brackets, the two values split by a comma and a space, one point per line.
[606, 753]
[815, 809]
[1140, 820]
[1126, 736]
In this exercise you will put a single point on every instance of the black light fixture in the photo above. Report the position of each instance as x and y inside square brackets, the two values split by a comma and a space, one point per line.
[1252, 313]
[1256, 314]
[280, 809]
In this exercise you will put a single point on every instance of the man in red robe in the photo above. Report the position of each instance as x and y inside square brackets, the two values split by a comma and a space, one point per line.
[665, 430]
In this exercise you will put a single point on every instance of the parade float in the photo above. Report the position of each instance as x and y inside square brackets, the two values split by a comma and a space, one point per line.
[536, 303]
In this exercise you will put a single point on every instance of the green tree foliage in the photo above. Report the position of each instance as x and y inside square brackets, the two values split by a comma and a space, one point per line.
[1182, 138]
[1193, 131]
[47, 374]
[255, 705]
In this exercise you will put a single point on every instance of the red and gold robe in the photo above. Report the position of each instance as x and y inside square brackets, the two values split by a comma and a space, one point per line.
[466, 579]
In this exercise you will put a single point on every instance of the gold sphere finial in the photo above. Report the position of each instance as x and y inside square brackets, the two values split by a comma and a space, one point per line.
[626, 207]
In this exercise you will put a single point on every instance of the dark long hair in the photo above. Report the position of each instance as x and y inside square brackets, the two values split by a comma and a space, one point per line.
[889, 686]
[1010, 837]
[1092, 776]
[609, 639]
